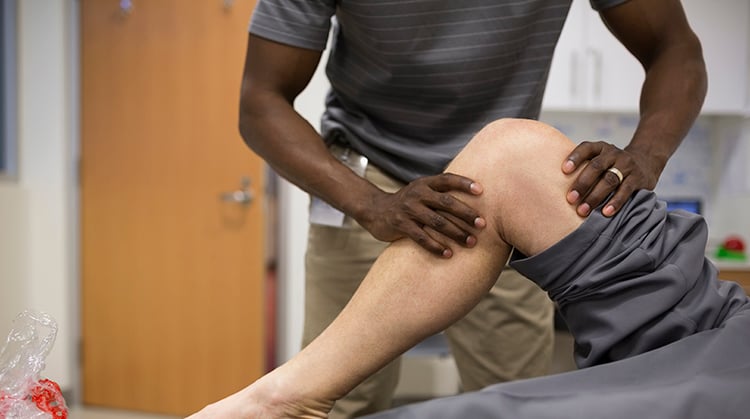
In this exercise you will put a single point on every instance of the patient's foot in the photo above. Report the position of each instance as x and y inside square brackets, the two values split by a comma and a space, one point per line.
[272, 396]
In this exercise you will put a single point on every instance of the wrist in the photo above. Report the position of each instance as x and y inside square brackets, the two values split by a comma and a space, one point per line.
[363, 207]
[653, 155]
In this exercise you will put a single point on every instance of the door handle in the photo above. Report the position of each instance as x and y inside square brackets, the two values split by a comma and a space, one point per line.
[242, 196]
[126, 7]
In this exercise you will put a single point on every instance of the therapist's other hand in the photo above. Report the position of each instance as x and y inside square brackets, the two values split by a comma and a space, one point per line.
[428, 212]
[596, 181]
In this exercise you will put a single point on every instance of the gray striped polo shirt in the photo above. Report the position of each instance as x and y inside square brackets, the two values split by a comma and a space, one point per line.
[413, 80]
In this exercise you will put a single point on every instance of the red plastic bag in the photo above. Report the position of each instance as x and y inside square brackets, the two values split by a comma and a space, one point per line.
[23, 394]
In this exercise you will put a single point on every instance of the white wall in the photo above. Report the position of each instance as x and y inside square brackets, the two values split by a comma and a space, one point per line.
[35, 212]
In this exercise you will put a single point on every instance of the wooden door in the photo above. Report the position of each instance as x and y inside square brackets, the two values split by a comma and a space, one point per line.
[172, 299]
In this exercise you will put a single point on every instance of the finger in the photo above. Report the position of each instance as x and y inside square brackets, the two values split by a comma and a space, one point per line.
[421, 236]
[606, 184]
[468, 217]
[446, 225]
[440, 238]
[447, 182]
[471, 237]
[618, 199]
[584, 151]
[588, 178]
[450, 182]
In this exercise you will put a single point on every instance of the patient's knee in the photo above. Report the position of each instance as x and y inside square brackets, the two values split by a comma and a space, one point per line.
[525, 134]
[510, 142]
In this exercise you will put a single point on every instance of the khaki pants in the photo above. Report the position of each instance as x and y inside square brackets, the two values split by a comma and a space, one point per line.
[508, 336]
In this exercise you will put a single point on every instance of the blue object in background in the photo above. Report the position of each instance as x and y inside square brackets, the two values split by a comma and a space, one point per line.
[691, 205]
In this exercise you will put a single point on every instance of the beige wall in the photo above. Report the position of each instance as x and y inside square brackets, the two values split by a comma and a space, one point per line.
[13, 254]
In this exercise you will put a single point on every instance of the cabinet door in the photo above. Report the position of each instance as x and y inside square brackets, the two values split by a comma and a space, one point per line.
[565, 85]
[591, 70]
[722, 27]
[616, 75]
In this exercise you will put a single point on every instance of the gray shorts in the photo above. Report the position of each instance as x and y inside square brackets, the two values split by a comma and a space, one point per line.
[657, 334]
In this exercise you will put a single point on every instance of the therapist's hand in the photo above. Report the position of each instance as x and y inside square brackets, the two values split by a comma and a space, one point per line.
[428, 212]
[596, 181]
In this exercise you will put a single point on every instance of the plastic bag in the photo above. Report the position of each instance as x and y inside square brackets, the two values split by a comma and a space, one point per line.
[23, 395]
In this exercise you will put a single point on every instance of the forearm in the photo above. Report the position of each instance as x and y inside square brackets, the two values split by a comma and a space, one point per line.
[272, 128]
[671, 98]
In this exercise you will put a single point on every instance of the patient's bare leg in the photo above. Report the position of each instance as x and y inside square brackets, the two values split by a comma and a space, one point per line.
[410, 294]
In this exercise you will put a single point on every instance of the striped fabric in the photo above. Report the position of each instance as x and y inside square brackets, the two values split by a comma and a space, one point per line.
[413, 80]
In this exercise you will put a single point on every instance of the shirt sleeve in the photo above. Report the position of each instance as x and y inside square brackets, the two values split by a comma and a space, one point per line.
[299, 23]
[600, 5]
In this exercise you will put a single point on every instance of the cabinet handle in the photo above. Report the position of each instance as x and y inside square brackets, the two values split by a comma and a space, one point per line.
[598, 63]
[574, 77]
[594, 64]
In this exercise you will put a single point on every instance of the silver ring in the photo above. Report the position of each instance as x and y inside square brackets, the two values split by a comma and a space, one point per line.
[617, 173]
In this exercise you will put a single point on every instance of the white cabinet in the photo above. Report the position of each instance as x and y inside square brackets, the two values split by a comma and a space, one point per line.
[563, 90]
[722, 26]
[591, 71]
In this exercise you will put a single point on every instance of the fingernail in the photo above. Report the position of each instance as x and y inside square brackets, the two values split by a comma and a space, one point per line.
[573, 196]
[475, 188]
[471, 241]
[479, 222]
[447, 253]
[583, 210]
[568, 166]
[608, 210]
